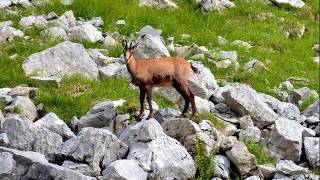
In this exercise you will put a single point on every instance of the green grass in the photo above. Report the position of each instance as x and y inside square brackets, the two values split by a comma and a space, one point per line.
[306, 103]
[205, 165]
[288, 57]
[316, 171]
[219, 124]
[258, 151]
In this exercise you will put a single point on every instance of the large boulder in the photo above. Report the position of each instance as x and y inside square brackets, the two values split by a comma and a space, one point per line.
[242, 158]
[33, 165]
[312, 149]
[52, 122]
[125, 169]
[100, 115]
[290, 168]
[94, 146]
[244, 100]
[312, 110]
[158, 3]
[7, 163]
[55, 33]
[23, 134]
[283, 109]
[286, 139]
[24, 106]
[163, 156]
[37, 21]
[85, 32]
[7, 33]
[222, 167]
[66, 58]
[79, 167]
[150, 44]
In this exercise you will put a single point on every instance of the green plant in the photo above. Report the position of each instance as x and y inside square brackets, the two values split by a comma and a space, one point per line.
[205, 165]
[217, 123]
[259, 152]
[306, 103]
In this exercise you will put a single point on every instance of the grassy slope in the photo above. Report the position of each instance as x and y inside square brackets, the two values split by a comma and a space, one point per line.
[290, 57]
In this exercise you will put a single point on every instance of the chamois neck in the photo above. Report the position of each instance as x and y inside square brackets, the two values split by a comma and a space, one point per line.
[131, 65]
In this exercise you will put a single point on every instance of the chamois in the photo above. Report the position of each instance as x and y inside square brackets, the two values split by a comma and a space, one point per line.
[160, 72]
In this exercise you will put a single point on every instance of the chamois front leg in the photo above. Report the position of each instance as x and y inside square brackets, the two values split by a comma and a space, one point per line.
[142, 96]
[149, 99]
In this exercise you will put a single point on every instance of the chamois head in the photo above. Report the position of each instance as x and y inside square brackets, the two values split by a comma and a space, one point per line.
[128, 51]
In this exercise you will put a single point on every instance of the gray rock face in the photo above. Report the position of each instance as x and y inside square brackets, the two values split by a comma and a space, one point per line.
[222, 167]
[312, 110]
[99, 115]
[95, 146]
[245, 122]
[65, 21]
[55, 33]
[66, 58]
[4, 141]
[301, 94]
[150, 44]
[85, 32]
[37, 21]
[288, 3]
[182, 130]
[161, 154]
[114, 70]
[7, 33]
[283, 109]
[204, 83]
[78, 167]
[242, 158]
[24, 135]
[290, 168]
[7, 163]
[32, 165]
[158, 3]
[166, 114]
[244, 100]
[286, 139]
[23, 91]
[25, 106]
[267, 170]
[109, 42]
[52, 122]
[250, 133]
[124, 169]
[312, 149]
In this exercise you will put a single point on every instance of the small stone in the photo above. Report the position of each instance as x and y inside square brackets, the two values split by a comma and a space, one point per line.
[222, 40]
[246, 122]
[121, 22]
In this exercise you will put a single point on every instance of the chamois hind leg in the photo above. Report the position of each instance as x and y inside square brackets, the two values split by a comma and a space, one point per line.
[181, 88]
[149, 99]
[193, 104]
[142, 97]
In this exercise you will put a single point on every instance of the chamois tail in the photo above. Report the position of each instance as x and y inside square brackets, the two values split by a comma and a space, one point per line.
[194, 69]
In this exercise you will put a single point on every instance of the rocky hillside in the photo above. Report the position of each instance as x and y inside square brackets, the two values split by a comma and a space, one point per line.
[67, 104]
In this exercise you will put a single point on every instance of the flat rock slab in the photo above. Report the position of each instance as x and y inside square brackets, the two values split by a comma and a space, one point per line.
[64, 59]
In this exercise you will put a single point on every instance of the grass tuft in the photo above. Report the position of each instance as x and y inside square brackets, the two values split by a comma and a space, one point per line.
[258, 151]
[205, 165]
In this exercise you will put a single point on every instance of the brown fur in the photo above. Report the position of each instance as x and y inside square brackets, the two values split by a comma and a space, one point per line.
[160, 72]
